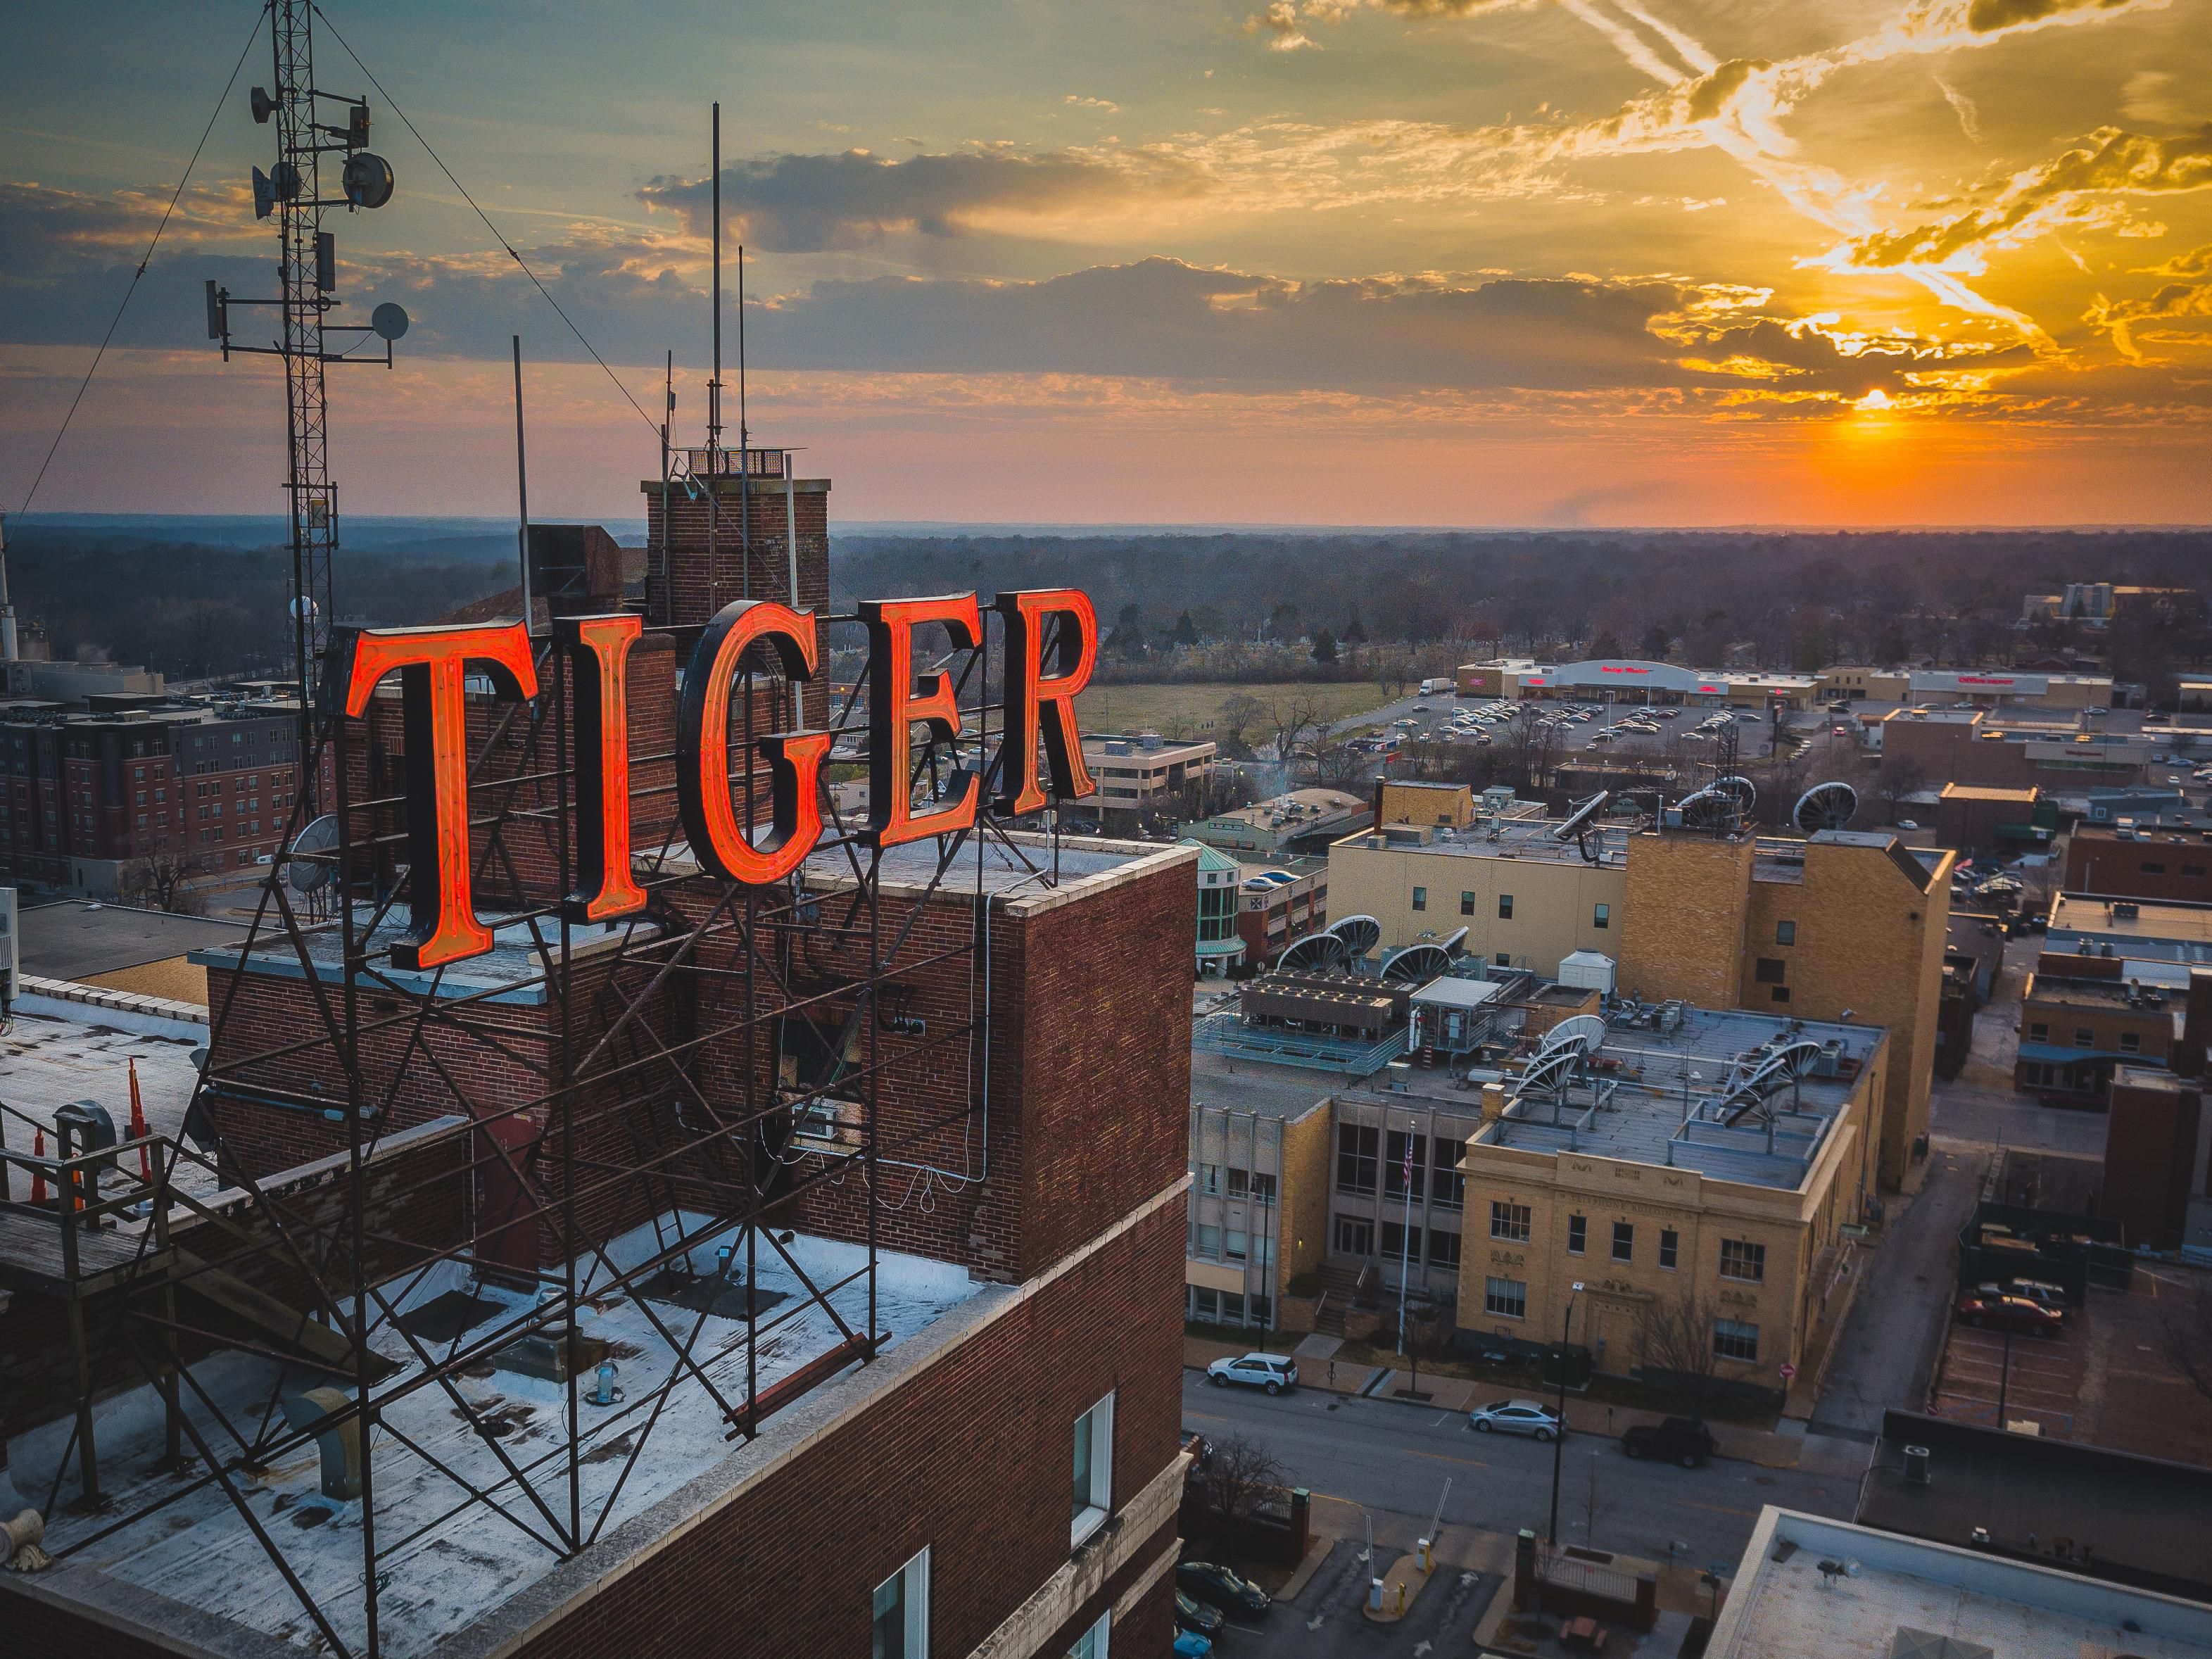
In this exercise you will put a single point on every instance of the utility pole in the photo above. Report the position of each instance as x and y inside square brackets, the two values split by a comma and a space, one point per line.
[1560, 1431]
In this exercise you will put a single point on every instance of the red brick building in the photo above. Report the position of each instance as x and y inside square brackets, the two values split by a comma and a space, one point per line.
[87, 799]
[970, 1446]
[2156, 1155]
[2166, 866]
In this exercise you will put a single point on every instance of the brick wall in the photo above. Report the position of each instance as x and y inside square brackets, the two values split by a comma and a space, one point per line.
[1306, 1147]
[2167, 867]
[1682, 923]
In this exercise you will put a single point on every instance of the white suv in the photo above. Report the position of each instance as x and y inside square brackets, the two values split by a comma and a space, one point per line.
[1272, 1371]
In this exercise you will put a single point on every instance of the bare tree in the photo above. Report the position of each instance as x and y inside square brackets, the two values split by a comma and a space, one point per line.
[1241, 715]
[1676, 1336]
[162, 881]
[1238, 1481]
[2186, 1335]
[1339, 766]
[1299, 720]
[1897, 779]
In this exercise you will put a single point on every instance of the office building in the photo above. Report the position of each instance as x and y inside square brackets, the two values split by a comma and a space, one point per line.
[2080, 1018]
[1303, 821]
[1138, 774]
[2166, 866]
[2155, 944]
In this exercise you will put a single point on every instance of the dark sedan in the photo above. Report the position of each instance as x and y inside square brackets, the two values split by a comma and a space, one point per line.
[1219, 1587]
[1196, 1615]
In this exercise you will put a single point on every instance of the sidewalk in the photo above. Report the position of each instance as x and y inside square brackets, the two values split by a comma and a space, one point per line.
[1457, 1394]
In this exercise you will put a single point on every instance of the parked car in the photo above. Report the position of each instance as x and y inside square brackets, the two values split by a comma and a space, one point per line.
[1906, 824]
[1681, 1440]
[1528, 1417]
[2035, 1289]
[1220, 1588]
[1196, 1615]
[1189, 1644]
[1272, 1371]
[2019, 1313]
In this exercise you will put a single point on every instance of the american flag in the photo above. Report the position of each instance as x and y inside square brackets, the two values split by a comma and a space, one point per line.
[1407, 1174]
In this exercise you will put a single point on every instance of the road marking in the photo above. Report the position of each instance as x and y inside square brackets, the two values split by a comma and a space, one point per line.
[1445, 1457]
[1718, 1509]
[1442, 1418]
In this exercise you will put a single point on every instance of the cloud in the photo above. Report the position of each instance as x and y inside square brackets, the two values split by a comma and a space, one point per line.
[1935, 24]
[801, 204]
[1970, 116]
[2113, 161]
[2154, 95]
[1081, 102]
[1280, 22]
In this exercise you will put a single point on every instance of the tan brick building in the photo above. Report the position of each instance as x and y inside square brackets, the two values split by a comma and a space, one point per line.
[1671, 1194]
[1844, 923]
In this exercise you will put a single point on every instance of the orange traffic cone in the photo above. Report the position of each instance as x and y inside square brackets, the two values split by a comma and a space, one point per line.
[38, 1174]
[138, 1127]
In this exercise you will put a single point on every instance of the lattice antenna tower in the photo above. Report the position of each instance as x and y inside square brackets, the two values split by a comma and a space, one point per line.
[293, 192]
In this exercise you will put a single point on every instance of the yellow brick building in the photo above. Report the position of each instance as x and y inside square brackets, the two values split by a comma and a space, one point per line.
[1843, 922]
[1667, 1212]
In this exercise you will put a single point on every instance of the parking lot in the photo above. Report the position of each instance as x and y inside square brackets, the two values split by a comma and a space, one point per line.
[2042, 1381]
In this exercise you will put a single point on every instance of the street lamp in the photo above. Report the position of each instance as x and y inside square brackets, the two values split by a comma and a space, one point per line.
[1559, 1429]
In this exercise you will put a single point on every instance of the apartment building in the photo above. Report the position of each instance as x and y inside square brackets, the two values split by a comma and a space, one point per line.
[1844, 926]
[1525, 897]
[1708, 1177]
[2166, 866]
[1279, 904]
[1139, 773]
[88, 798]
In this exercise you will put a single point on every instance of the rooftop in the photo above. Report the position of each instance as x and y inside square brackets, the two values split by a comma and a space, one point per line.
[75, 941]
[1666, 1096]
[50, 1061]
[1277, 810]
[1246, 1085]
[1816, 1588]
[1524, 839]
[2125, 919]
[457, 1568]
[2120, 1513]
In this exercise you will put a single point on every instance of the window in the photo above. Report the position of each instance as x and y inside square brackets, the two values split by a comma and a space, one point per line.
[2084, 1037]
[2192, 869]
[1506, 1298]
[1771, 971]
[1209, 1179]
[1505, 907]
[1623, 1241]
[1395, 1242]
[2151, 869]
[1262, 1310]
[1354, 1237]
[1094, 1470]
[1209, 1240]
[1509, 1221]
[1782, 994]
[2131, 1042]
[1785, 933]
[1240, 1181]
[1446, 1186]
[902, 1612]
[1670, 1248]
[1732, 1339]
[1234, 1249]
[1444, 1249]
[1091, 1645]
[1394, 1164]
[2038, 1033]
[1263, 1189]
[1421, 898]
[1578, 1234]
[1741, 1259]
[1505, 959]
[1356, 1157]
[1205, 1304]
[1602, 916]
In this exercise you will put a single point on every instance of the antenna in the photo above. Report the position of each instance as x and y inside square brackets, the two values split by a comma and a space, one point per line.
[714, 385]
[522, 492]
[293, 190]
[6, 605]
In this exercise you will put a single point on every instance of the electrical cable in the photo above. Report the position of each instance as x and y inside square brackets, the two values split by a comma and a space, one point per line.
[115, 322]
[504, 244]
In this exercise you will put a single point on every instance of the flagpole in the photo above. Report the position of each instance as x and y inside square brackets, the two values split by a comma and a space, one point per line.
[1405, 1235]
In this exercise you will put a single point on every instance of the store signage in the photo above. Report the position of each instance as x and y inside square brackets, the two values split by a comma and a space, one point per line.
[431, 663]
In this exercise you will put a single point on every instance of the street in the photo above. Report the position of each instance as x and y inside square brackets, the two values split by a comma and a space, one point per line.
[1393, 1458]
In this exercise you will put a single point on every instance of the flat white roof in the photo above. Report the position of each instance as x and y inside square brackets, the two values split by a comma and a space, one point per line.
[1880, 1584]
[1457, 992]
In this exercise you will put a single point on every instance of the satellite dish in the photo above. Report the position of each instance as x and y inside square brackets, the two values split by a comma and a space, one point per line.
[1825, 807]
[310, 861]
[263, 105]
[1360, 934]
[1316, 953]
[366, 180]
[1741, 790]
[1706, 808]
[388, 320]
[1417, 964]
[1574, 822]
[1584, 1034]
[1453, 941]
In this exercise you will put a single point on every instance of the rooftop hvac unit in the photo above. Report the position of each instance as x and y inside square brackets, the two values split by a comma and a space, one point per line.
[1589, 971]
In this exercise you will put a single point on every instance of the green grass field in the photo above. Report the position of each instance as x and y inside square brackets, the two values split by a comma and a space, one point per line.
[1155, 708]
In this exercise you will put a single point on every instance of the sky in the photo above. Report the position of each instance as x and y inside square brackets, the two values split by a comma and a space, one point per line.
[1301, 262]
